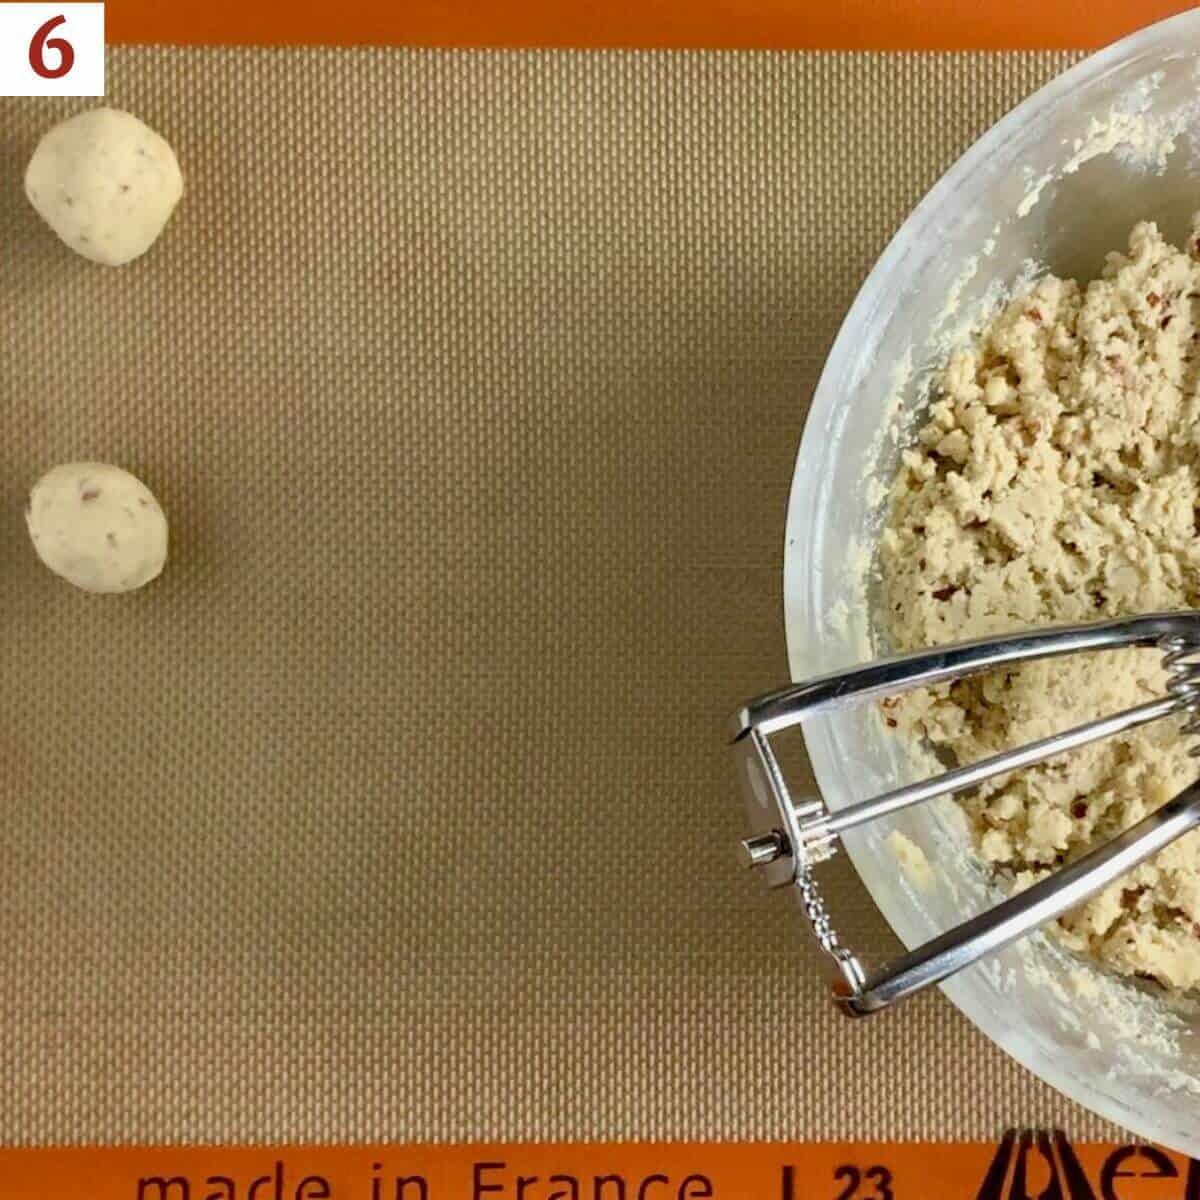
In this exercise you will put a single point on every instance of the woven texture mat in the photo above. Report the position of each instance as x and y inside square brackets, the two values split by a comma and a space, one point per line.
[398, 808]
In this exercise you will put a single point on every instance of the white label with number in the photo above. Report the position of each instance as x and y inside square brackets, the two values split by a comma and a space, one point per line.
[51, 49]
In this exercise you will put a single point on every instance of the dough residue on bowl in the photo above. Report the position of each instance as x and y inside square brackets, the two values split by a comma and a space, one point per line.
[1056, 479]
[912, 861]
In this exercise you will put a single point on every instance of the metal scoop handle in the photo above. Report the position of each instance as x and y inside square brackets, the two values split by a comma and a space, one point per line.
[1013, 918]
[788, 839]
[923, 668]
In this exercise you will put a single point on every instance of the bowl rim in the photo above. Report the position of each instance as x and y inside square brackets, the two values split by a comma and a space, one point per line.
[806, 507]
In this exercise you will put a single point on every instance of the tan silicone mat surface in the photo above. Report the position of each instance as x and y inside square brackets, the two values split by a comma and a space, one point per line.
[398, 808]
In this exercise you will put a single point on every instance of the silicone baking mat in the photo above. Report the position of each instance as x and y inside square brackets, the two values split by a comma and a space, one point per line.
[399, 808]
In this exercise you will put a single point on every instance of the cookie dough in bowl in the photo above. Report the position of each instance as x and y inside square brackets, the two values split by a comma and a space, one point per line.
[98, 527]
[1057, 479]
[1109, 147]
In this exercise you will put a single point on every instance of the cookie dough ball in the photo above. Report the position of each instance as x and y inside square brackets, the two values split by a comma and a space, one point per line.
[105, 183]
[98, 527]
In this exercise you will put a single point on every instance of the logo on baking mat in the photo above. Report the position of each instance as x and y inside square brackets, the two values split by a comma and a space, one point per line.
[1036, 1165]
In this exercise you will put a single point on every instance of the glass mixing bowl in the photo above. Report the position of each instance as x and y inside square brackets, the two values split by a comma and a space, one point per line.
[1112, 141]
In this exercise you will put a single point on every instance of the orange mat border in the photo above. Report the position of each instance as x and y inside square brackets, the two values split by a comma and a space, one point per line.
[1021, 1164]
[749, 24]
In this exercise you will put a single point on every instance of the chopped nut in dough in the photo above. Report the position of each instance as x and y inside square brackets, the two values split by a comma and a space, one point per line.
[1057, 479]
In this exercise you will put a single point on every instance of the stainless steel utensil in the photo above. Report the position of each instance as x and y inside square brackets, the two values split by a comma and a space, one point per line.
[790, 836]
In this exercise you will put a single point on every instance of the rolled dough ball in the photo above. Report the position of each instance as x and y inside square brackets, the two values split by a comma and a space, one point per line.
[105, 183]
[98, 527]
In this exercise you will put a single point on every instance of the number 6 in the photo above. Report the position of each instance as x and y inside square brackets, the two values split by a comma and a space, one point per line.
[39, 45]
